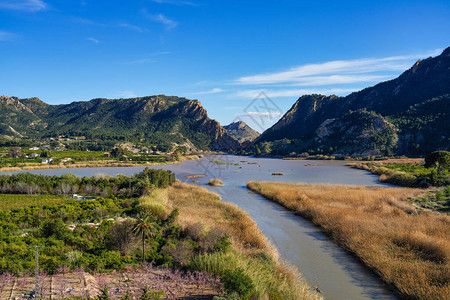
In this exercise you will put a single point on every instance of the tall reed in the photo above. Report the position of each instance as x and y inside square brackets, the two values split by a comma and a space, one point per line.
[409, 251]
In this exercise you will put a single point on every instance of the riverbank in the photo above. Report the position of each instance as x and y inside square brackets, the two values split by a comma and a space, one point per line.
[94, 164]
[404, 172]
[251, 251]
[409, 251]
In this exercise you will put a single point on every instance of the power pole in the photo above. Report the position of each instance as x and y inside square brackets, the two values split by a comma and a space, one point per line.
[36, 258]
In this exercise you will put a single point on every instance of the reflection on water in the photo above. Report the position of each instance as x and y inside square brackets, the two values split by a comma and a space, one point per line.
[338, 274]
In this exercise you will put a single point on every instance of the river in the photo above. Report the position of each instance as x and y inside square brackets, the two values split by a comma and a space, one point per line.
[338, 274]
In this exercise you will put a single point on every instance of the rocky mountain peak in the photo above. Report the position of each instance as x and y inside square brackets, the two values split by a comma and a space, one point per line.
[241, 131]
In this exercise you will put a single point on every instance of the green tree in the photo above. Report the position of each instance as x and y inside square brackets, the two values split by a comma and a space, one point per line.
[45, 154]
[439, 160]
[127, 296]
[15, 152]
[144, 227]
[257, 151]
[104, 295]
[117, 152]
[151, 295]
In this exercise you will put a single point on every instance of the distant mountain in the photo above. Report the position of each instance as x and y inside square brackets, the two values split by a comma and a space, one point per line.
[241, 131]
[162, 120]
[406, 115]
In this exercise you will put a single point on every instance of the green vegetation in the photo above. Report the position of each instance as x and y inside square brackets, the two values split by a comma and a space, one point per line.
[13, 201]
[121, 230]
[439, 160]
[406, 174]
[84, 233]
[136, 185]
[164, 122]
[436, 200]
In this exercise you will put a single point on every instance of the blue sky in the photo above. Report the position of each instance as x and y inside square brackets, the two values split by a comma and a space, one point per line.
[223, 53]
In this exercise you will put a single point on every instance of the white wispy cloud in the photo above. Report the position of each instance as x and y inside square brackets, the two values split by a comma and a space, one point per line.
[160, 53]
[87, 22]
[177, 2]
[336, 79]
[263, 114]
[162, 19]
[129, 26]
[337, 68]
[95, 41]
[125, 94]
[24, 5]
[6, 36]
[140, 61]
[253, 93]
[147, 58]
[212, 91]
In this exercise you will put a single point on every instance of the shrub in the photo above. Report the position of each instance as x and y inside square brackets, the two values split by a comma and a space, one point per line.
[236, 281]
[181, 253]
[120, 237]
[223, 244]
[151, 295]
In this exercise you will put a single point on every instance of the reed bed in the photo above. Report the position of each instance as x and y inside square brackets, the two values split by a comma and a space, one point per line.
[409, 251]
[273, 278]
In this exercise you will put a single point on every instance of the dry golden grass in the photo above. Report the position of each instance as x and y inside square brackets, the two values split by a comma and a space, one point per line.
[197, 204]
[402, 161]
[408, 250]
[215, 182]
[96, 164]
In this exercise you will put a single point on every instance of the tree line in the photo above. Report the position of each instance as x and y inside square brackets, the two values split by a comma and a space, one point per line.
[136, 185]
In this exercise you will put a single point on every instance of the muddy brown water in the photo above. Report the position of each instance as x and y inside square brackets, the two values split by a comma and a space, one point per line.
[338, 274]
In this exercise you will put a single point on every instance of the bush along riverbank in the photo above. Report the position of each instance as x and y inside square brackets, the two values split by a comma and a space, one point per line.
[409, 250]
[434, 170]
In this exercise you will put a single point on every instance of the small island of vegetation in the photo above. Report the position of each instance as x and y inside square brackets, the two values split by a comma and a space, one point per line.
[215, 182]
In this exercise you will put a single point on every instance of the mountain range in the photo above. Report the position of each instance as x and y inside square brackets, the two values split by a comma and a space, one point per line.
[161, 120]
[406, 115]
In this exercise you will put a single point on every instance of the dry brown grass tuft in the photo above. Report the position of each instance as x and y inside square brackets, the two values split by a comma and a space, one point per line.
[197, 204]
[408, 250]
[215, 182]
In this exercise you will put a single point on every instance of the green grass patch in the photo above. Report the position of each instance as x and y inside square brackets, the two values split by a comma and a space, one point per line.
[11, 201]
[259, 268]
[437, 200]
[414, 169]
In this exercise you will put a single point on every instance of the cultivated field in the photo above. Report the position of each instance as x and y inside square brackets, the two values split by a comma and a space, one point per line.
[11, 201]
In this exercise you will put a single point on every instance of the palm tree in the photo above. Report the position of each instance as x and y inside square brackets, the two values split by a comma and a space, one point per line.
[143, 226]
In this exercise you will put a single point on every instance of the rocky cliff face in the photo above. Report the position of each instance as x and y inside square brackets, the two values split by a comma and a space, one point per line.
[241, 131]
[409, 101]
[159, 119]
